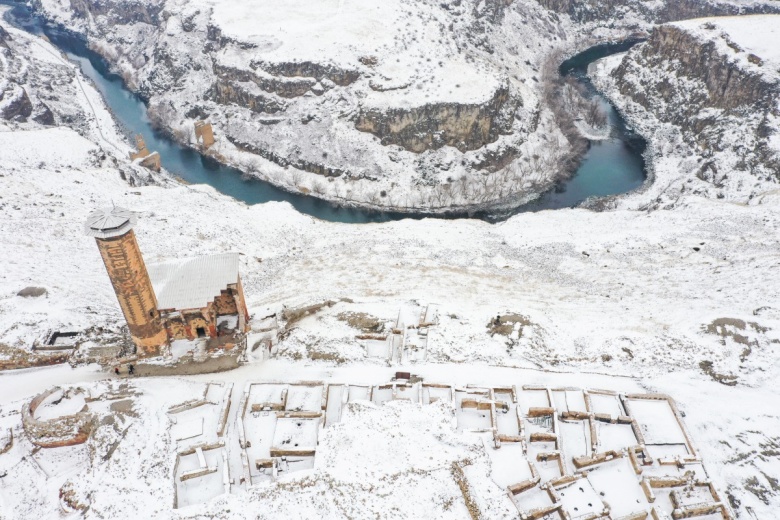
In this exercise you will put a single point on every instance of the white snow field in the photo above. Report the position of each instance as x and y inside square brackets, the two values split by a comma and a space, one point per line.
[407, 37]
[681, 301]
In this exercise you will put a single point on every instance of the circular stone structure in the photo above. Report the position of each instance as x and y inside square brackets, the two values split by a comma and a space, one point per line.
[63, 430]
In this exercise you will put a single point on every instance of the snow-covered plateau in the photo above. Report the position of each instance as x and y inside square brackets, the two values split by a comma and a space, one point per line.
[678, 298]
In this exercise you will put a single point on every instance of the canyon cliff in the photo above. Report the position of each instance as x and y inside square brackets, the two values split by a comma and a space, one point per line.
[713, 83]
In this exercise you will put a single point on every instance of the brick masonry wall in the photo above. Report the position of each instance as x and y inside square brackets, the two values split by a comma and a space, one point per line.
[133, 289]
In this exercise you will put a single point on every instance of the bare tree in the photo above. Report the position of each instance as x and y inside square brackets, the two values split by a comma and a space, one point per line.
[296, 177]
[595, 115]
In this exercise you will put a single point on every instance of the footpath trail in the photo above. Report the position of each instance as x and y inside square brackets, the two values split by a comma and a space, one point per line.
[103, 123]
[21, 384]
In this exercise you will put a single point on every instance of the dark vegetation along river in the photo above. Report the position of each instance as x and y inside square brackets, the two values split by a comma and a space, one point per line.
[610, 167]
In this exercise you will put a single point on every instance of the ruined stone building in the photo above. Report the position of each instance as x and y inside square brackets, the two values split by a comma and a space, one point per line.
[200, 297]
[204, 134]
[185, 299]
[144, 157]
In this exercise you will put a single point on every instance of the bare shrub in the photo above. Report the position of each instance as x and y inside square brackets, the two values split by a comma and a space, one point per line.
[595, 115]
[568, 102]
[296, 177]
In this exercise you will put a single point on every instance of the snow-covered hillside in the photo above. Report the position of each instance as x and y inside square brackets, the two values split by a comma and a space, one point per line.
[39, 89]
[438, 96]
[706, 94]
[441, 108]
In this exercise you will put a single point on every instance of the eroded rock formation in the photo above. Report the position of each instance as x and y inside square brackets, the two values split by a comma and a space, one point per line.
[463, 126]
[656, 12]
[723, 98]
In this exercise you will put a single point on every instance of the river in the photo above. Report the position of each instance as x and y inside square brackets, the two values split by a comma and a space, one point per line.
[610, 167]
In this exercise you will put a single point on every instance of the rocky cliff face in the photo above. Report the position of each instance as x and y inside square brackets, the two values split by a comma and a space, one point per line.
[727, 85]
[655, 12]
[463, 126]
[705, 81]
[118, 11]
[246, 94]
[15, 104]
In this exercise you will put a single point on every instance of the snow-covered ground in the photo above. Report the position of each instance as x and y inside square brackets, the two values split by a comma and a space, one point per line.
[680, 301]
[402, 37]
[393, 459]
[659, 280]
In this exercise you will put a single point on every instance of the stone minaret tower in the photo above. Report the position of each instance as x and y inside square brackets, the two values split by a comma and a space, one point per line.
[113, 231]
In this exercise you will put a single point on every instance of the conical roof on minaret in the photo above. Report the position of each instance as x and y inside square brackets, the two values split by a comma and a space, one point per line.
[109, 222]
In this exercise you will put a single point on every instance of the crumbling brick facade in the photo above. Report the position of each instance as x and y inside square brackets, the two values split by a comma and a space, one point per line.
[225, 303]
[133, 289]
[204, 133]
[199, 297]
[149, 159]
[193, 323]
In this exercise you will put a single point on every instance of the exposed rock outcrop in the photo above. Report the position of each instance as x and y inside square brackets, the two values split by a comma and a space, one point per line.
[32, 292]
[246, 94]
[283, 86]
[4, 36]
[15, 104]
[120, 12]
[697, 78]
[655, 12]
[463, 126]
[308, 69]
[673, 10]
[36, 91]
[44, 115]
[727, 85]
[284, 160]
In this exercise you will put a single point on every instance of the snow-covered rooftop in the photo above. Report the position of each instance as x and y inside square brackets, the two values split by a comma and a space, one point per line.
[109, 222]
[193, 282]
